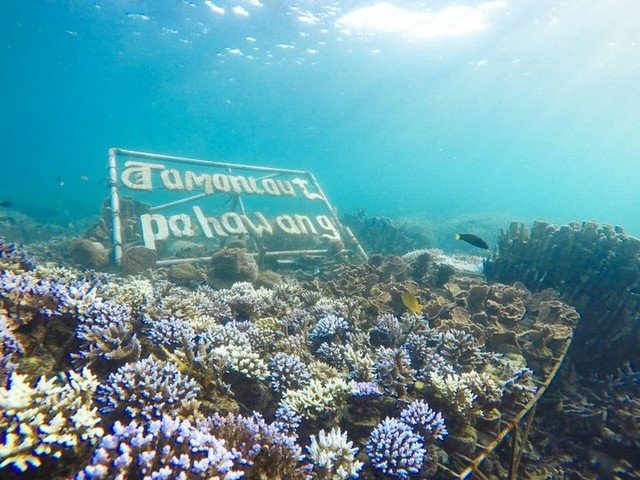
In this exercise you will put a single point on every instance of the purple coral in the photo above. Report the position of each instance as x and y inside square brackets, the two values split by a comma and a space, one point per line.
[106, 332]
[9, 349]
[287, 419]
[387, 331]
[393, 370]
[424, 421]
[169, 332]
[366, 389]
[330, 328]
[395, 449]
[13, 254]
[148, 388]
[268, 450]
[418, 346]
[162, 449]
[287, 371]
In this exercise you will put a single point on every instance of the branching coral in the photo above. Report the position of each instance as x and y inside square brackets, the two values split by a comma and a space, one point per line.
[242, 360]
[267, 451]
[318, 398]
[10, 349]
[333, 455]
[162, 449]
[287, 371]
[366, 389]
[107, 332]
[393, 370]
[387, 331]
[148, 389]
[199, 308]
[395, 449]
[246, 301]
[459, 347]
[45, 420]
[424, 421]
[329, 328]
[453, 390]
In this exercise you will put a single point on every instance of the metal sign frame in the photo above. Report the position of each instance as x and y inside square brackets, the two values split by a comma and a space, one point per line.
[269, 172]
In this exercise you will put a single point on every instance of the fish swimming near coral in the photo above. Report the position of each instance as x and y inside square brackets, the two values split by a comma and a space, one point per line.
[472, 239]
[411, 302]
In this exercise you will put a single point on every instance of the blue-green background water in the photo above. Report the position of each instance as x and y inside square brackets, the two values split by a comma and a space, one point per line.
[534, 112]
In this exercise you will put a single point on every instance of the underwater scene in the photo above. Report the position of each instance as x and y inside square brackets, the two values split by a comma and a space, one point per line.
[305, 239]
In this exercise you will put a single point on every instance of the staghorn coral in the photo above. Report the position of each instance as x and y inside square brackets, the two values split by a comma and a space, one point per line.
[165, 448]
[459, 348]
[360, 363]
[267, 451]
[454, 392]
[246, 301]
[10, 349]
[418, 347]
[147, 389]
[287, 371]
[287, 420]
[393, 370]
[199, 308]
[366, 389]
[333, 455]
[12, 257]
[334, 354]
[169, 331]
[329, 328]
[424, 420]
[106, 331]
[520, 387]
[242, 360]
[137, 293]
[395, 450]
[47, 419]
[318, 398]
[387, 331]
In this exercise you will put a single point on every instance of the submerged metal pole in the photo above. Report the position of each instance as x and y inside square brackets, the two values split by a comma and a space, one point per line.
[334, 215]
[115, 208]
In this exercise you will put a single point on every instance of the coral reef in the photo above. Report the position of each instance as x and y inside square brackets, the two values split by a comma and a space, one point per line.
[45, 420]
[395, 449]
[383, 235]
[231, 265]
[147, 389]
[582, 262]
[333, 455]
[165, 448]
[286, 381]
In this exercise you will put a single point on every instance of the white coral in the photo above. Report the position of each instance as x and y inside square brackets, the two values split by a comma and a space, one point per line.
[243, 360]
[454, 391]
[333, 455]
[46, 419]
[318, 397]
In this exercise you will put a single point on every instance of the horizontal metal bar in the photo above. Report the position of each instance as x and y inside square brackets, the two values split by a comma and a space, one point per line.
[282, 253]
[178, 202]
[194, 161]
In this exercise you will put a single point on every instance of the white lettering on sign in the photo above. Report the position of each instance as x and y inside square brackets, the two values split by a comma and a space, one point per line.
[151, 176]
[156, 227]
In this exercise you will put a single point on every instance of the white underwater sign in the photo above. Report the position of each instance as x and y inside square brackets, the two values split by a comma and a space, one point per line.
[173, 198]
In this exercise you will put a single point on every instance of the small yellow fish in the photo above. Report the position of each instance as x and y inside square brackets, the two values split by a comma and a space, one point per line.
[411, 302]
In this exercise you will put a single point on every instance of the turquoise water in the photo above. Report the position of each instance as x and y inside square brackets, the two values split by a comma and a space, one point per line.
[425, 109]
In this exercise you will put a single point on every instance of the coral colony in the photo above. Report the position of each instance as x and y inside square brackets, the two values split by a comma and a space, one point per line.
[106, 376]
